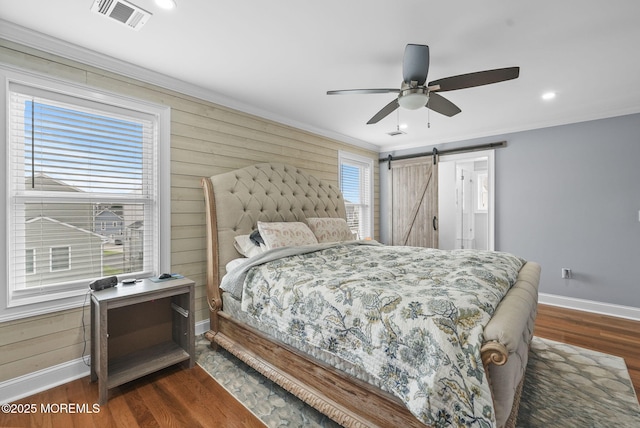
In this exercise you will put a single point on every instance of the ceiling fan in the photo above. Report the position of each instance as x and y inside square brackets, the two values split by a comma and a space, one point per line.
[414, 94]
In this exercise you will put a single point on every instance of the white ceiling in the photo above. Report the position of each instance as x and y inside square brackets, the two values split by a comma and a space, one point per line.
[278, 58]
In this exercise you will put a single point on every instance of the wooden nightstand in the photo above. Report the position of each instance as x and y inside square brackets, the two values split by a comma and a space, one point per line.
[139, 329]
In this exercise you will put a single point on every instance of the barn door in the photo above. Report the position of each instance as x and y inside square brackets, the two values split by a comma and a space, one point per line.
[414, 196]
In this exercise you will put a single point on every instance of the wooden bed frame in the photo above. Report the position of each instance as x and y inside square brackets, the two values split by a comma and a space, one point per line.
[234, 202]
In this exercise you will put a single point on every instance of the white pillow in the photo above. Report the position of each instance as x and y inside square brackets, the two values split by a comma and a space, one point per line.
[330, 229]
[285, 234]
[246, 247]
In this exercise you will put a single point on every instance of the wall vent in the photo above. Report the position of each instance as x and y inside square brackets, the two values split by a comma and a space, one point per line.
[122, 11]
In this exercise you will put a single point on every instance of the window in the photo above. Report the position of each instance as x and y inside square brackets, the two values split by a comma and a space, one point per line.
[30, 261]
[356, 184]
[81, 166]
[60, 258]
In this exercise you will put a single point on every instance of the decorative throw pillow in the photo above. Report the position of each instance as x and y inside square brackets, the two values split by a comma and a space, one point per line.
[330, 229]
[285, 234]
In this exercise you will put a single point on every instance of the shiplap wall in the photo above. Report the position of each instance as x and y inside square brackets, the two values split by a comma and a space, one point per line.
[206, 139]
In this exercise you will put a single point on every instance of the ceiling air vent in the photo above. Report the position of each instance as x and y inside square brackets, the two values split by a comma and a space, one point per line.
[122, 11]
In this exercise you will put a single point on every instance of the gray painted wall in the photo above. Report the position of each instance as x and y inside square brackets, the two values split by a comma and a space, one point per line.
[569, 197]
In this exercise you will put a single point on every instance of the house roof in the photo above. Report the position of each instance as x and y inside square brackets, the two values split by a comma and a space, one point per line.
[45, 182]
[108, 211]
[58, 222]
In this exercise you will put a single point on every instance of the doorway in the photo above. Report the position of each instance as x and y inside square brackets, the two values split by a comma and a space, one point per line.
[466, 189]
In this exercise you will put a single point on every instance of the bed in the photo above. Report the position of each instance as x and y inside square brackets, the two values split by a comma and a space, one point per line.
[269, 194]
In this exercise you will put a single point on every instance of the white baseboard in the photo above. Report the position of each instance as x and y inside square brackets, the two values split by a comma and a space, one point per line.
[618, 311]
[32, 383]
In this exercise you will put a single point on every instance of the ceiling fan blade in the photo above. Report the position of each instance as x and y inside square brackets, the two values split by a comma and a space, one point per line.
[386, 110]
[440, 104]
[415, 64]
[479, 78]
[364, 91]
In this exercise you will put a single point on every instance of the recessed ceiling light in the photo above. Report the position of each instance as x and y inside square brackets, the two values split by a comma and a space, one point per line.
[548, 95]
[166, 4]
[403, 126]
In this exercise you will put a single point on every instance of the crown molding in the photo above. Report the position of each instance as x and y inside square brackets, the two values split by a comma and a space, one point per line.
[41, 41]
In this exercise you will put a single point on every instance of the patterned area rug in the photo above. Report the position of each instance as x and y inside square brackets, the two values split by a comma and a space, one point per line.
[565, 386]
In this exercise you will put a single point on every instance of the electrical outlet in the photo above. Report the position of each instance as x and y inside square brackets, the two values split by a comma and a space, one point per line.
[566, 273]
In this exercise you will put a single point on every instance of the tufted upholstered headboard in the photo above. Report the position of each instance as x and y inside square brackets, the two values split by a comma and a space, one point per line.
[237, 200]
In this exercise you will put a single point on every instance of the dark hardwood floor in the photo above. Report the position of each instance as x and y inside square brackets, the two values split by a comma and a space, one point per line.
[173, 397]
[177, 397]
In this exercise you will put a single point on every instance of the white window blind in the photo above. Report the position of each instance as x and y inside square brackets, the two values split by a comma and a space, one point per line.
[82, 192]
[356, 184]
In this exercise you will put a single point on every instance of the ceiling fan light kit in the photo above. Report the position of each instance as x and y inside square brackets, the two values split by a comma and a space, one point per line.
[414, 94]
[413, 98]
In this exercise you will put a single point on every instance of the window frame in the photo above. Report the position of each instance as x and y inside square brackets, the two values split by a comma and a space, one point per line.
[62, 298]
[361, 162]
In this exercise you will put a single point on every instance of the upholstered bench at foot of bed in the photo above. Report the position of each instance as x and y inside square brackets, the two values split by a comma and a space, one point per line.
[514, 330]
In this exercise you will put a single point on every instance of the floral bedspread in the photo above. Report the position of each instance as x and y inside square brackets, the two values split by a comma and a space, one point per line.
[412, 317]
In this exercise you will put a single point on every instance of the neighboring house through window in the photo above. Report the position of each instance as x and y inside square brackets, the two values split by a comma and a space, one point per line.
[78, 158]
[356, 184]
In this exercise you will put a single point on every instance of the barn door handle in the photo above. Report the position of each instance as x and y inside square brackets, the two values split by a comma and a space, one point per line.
[435, 223]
